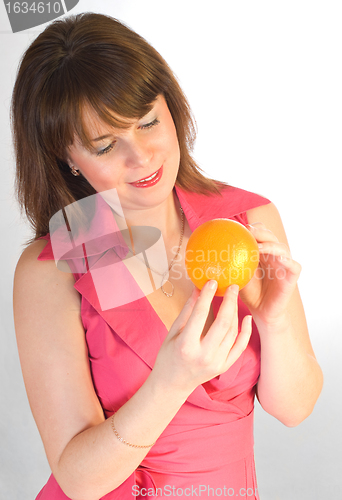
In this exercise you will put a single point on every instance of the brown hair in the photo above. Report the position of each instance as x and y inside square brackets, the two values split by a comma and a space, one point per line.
[94, 60]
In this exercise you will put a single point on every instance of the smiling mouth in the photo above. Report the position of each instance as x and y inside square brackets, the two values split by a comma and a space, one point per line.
[150, 180]
[147, 178]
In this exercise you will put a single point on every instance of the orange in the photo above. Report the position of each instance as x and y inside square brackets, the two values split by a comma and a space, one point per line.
[223, 250]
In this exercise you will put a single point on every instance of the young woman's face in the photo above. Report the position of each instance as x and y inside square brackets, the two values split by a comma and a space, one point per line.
[140, 162]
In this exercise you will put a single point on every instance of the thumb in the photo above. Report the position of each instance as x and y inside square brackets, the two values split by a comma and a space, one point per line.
[184, 315]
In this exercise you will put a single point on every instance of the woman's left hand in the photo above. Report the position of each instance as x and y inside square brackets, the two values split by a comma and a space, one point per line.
[268, 293]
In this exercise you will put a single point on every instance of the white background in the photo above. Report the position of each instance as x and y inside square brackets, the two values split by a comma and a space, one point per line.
[264, 80]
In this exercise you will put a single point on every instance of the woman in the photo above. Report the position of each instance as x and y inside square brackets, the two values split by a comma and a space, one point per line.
[153, 396]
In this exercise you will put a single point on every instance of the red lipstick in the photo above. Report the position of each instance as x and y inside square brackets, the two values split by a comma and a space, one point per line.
[148, 181]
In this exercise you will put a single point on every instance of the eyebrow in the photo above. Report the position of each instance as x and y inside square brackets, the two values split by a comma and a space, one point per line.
[101, 138]
[106, 136]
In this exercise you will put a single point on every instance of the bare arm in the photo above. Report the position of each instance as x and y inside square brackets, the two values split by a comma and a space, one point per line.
[87, 460]
[290, 379]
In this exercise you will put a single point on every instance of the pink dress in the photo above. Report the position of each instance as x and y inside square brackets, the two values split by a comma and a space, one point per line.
[207, 449]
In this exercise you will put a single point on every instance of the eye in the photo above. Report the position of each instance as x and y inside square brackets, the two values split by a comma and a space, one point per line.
[106, 150]
[151, 124]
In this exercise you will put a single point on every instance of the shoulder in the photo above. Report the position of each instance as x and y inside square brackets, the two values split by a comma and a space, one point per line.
[37, 257]
[269, 216]
[28, 264]
[266, 212]
[30, 254]
[42, 281]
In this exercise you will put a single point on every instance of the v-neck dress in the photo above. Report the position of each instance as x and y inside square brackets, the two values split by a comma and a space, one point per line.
[207, 449]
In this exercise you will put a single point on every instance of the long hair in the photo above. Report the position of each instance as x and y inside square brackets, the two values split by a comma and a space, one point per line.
[95, 61]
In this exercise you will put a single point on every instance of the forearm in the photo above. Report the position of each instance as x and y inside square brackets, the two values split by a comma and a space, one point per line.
[95, 462]
[290, 378]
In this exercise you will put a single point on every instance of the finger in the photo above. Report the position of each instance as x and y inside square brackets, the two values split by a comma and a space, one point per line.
[241, 342]
[275, 249]
[261, 233]
[256, 225]
[195, 321]
[291, 267]
[235, 323]
[233, 331]
[185, 313]
[226, 318]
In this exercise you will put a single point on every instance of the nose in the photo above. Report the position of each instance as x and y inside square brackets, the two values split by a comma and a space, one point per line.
[138, 153]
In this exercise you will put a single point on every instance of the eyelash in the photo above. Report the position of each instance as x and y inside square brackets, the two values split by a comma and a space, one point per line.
[106, 150]
[151, 124]
[109, 148]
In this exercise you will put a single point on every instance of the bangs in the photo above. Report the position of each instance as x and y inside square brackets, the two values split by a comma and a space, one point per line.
[110, 84]
[91, 115]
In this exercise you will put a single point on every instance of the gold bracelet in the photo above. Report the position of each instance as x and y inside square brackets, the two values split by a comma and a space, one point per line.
[126, 442]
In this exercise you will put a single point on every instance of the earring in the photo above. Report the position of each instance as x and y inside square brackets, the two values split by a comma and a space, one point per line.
[74, 170]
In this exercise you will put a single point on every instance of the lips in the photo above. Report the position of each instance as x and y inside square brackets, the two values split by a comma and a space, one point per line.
[148, 181]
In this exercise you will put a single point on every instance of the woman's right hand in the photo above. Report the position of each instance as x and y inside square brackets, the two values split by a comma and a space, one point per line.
[187, 358]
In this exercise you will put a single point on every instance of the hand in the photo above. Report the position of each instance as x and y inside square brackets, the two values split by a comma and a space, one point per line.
[268, 293]
[187, 358]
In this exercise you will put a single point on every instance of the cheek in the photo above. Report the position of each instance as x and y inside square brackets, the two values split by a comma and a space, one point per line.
[96, 174]
[173, 134]
[88, 169]
[170, 140]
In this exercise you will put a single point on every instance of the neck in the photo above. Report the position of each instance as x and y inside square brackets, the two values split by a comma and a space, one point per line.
[166, 217]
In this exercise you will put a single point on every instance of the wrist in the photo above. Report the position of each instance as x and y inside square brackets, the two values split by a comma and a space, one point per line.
[144, 417]
[279, 325]
[166, 390]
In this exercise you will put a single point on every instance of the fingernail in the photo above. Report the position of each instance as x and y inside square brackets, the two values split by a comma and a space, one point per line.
[212, 284]
[234, 289]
